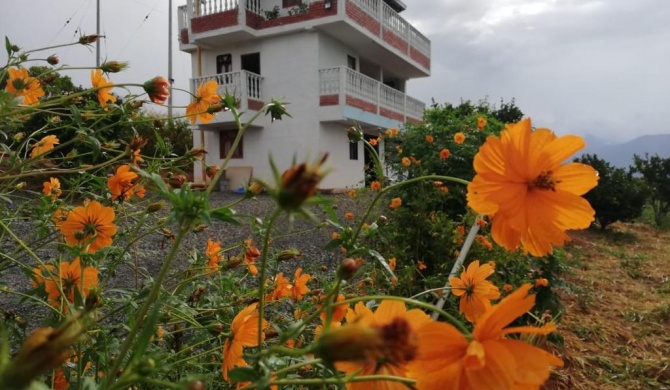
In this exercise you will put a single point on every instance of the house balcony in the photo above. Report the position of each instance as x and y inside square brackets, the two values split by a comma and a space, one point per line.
[345, 95]
[367, 26]
[247, 87]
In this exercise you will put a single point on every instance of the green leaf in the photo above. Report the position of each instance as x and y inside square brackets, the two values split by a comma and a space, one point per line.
[8, 46]
[89, 383]
[336, 243]
[148, 330]
[381, 260]
[243, 374]
[224, 214]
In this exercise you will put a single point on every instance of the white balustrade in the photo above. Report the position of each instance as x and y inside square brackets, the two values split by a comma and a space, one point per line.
[329, 83]
[395, 22]
[362, 87]
[369, 6]
[419, 42]
[414, 108]
[183, 21]
[254, 6]
[208, 7]
[392, 99]
[243, 85]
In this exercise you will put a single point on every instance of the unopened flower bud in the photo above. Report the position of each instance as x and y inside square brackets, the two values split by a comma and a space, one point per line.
[88, 39]
[234, 262]
[216, 328]
[15, 48]
[52, 60]
[113, 66]
[348, 268]
[299, 183]
[93, 299]
[211, 171]
[195, 385]
[200, 228]
[197, 153]
[21, 185]
[152, 208]
[19, 136]
[288, 254]
[355, 134]
[214, 108]
[254, 189]
[381, 220]
[146, 367]
[158, 89]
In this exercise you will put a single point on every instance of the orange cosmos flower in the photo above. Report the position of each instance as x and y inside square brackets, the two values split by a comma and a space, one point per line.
[339, 311]
[245, 334]
[213, 254]
[52, 188]
[44, 145]
[373, 142]
[421, 265]
[205, 96]
[250, 256]
[406, 161]
[91, 225]
[98, 81]
[484, 241]
[391, 132]
[489, 361]
[392, 263]
[375, 186]
[352, 193]
[399, 328]
[282, 288]
[481, 122]
[349, 215]
[68, 279]
[137, 158]
[395, 203]
[444, 154]
[21, 84]
[300, 288]
[531, 197]
[459, 138]
[429, 139]
[121, 184]
[475, 291]
[158, 89]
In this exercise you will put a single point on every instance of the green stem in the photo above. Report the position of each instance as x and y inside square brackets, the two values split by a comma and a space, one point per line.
[64, 171]
[261, 282]
[125, 347]
[349, 379]
[458, 324]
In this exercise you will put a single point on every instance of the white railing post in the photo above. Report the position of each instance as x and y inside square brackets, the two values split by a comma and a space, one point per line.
[242, 12]
[380, 17]
[343, 79]
[244, 93]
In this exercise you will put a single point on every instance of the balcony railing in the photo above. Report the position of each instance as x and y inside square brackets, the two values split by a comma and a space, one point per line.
[368, 94]
[243, 85]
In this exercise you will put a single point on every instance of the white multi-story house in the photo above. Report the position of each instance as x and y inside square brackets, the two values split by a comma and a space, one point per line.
[336, 62]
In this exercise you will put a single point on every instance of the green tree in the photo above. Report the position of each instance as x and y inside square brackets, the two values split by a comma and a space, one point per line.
[619, 196]
[656, 173]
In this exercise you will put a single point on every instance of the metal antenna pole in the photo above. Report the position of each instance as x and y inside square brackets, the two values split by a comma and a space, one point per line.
[170, 58]
[97, 31]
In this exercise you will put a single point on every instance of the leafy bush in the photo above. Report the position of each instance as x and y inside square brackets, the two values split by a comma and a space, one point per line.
[656, 173]
[618, 197]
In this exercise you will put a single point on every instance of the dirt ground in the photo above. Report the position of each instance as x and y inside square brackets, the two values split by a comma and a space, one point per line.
[616, 324]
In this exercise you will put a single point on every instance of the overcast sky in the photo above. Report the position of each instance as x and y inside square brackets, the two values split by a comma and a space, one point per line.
[599, 67]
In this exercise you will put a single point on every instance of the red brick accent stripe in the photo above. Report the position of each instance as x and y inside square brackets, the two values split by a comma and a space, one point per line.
[395, 41]
[361, 17]
[362, 104]
[419, 57]
[214, 21]
[254, 104]
[329, 100]
[391, 114]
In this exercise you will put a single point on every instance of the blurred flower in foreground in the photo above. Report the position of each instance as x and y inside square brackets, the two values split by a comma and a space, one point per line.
[481, 122]
[91, 225]
[44, 145]
[489, 361]
[531, 197]
[205, 96]
[98, 81]
[475, 291]
[158, 89]
[459, 138]
[379, 343]
[299, 183]
[244, 331]
[20, 84]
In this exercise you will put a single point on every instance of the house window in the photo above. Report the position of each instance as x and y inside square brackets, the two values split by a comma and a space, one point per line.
[226, 139]
[353, 150]
[290, 3]
[351, 62]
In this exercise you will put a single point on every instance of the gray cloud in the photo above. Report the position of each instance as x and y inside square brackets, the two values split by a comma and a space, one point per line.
[584, 66]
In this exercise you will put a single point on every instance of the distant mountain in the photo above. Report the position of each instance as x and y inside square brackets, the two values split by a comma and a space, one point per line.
[621, 155]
